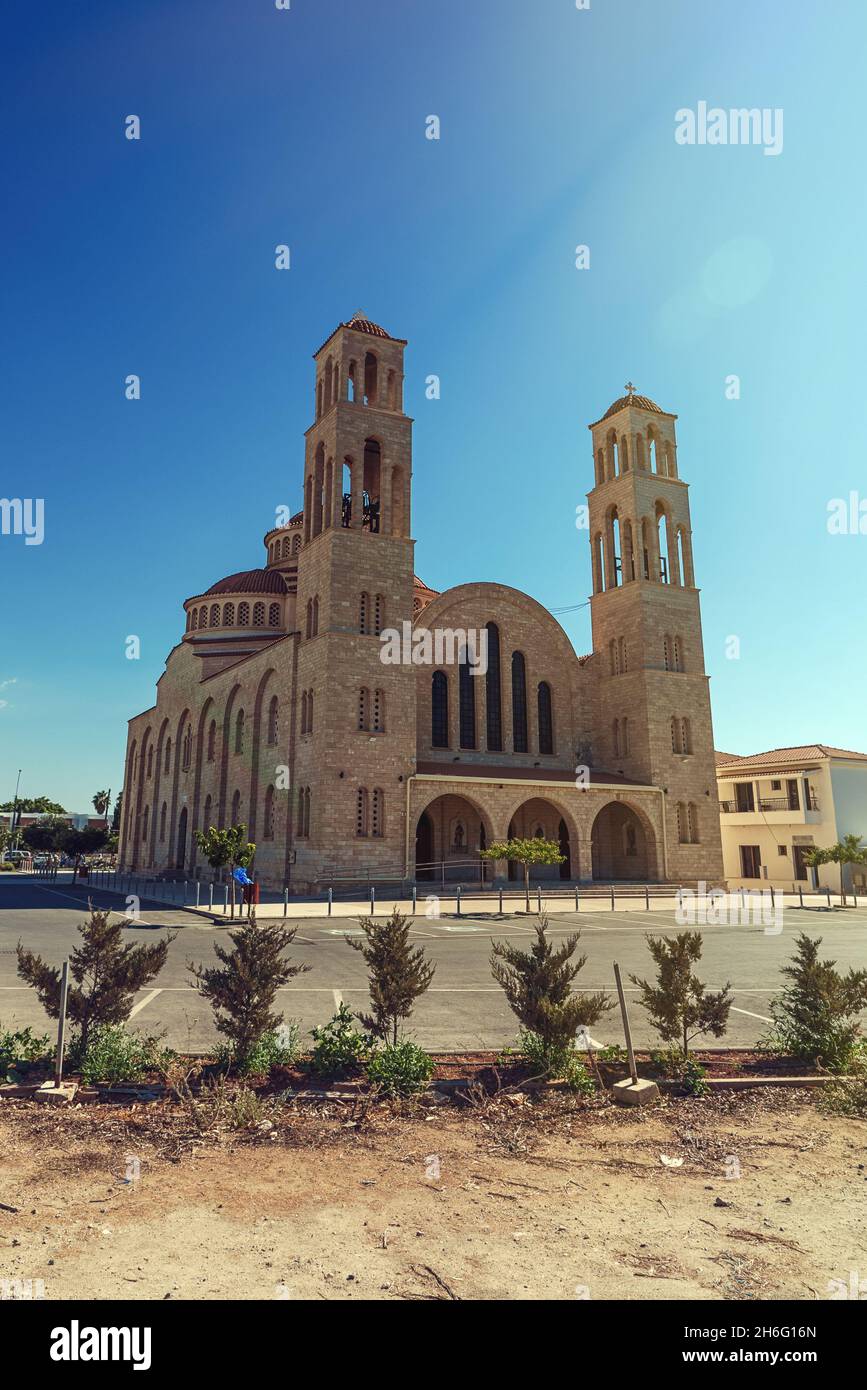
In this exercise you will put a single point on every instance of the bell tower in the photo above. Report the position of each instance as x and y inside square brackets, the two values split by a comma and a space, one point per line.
[653, 717]
[354, 714]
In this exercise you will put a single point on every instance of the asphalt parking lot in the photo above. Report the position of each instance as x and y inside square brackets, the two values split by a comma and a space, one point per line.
[464, 1008]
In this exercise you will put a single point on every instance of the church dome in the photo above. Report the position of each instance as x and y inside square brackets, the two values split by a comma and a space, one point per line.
[363, 325]
[642, 402]
[264, 581]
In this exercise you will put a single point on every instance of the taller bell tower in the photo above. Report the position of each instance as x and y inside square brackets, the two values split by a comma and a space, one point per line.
[354, 739]
[653, 717]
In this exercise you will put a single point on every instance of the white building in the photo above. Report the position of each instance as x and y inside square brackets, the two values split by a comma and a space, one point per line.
[776, 806]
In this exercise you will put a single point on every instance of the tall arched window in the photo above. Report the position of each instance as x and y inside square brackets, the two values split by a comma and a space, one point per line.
[228, 615]
[370, 375]
[662, 544]
[615, 737]
[243, 614]
[692, 822]
[187, 748]
[377, 820]
[466, 704]
[361, 812]
[378, 711]
[678, 654]
[685, 736]
[212, 740]
[236, 809]
[239, 731]
[268, 827]
[546, 721]
[274, 615]
[363, 612]
[378, 614]
[206, 819]
[492, 690]
[316, 615]
[675, 735]
[304, 711]
[307, 813]
[144, 824]
[682, 834]
[273, 715]
[150, 771]
[519, 703]
[310, 711]
[168, 760]
[215, 615]
[258, 615]
[364, 708]
[163, 813]
[439, 734]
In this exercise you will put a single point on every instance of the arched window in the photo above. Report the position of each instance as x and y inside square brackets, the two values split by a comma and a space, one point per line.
[215, 615]
[212, 740]
[273, 712]
[519, 703]
[361, 812]
[168, 760]
[378, 614]
[682, 833]
[675, 735]
[243, 614]
[304, 711]
[163, 812]
[371, 367]
[296, 544]
[228, 615]
[316, 615]
[268, 826]
[598, 565]
[307, 813]
[600, 467]
[363, 611]
[666, 652]
[685, 736]
[274, 615]
[150, 762]
[310, 711]
[239, 731]
[206, 820]
[193, 618]
[144, 824]
[492, 690]
[329, 375]
[615, 737]
[301, 809]
[624, 736]
[364, 708]
[377, 820]
[466, 704]
[439, 735]
[662, 544]
[692, 822]
[236, 809]
[187, 748]
[258, 615]
[678, 654]
[378, 711]
[546, 721]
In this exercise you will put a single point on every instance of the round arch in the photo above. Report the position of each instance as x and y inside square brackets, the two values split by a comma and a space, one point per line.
[623, 844]
[450, 829]
[550, 815]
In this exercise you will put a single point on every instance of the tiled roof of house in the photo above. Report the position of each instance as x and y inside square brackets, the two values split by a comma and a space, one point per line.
[785, 757]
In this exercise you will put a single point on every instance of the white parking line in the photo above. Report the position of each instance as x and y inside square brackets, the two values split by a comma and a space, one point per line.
[762, 1018]
[142, 1002]
[338, 998]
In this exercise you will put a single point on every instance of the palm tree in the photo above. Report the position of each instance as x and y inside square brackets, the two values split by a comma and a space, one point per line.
[101, 803]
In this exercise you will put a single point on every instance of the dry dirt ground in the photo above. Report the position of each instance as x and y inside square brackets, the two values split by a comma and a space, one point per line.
[550, 1198]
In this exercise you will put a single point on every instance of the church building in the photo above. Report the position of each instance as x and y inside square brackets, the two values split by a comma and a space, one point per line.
[279, 710]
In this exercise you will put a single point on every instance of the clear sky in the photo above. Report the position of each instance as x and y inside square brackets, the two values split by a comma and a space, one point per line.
[306, 126]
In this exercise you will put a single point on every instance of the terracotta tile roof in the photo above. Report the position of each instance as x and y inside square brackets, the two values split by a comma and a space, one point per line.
[250, 582]
[786, 757]
[643, 403]
[359, 324]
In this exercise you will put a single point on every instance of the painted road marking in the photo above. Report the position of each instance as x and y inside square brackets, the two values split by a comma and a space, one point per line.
[142, 1002]
[761, 1017]
[338, 999]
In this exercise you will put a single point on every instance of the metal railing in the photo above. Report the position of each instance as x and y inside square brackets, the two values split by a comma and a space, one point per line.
[772, 803]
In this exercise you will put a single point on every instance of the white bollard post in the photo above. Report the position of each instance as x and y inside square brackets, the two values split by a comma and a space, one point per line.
[458, 899]
[285, 902]
[225, 898]
[198, 892]
[372, 900]
[210, 897]
[414, 898]
[330, 900]
[538, 899]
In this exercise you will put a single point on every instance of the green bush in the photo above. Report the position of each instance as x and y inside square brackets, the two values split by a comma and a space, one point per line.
[114, 1055]
[561, 1061]
[847, 1095]
[400, 1069]
[18, 1049]
[277, 1048]
[691, 1074]
[816, 1016]
[339, 1050]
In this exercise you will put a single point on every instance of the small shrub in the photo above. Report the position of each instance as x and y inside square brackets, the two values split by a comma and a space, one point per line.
[816, 1016]
[114, 1055]
[847, 1095]
[397, 974]
[277, 1048]
[400, 1069]
[614, 1054]
[559, 1061]
[538, 987]
[685, 1069]
[679, 1005]
[244, 1109]
[19, 1049]
[339, 1050]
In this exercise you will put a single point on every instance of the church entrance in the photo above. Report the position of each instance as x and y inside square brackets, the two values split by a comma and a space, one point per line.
[623, 845]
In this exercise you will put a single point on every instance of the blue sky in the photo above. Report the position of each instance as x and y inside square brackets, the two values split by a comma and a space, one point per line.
[306, 126]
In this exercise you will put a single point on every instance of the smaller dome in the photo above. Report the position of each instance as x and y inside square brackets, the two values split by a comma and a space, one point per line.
[250, 582]
[642, 402]
[364, 325]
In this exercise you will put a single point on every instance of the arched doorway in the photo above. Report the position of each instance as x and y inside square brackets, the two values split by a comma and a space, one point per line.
[538, 818]
[182, 839]
[450, 831]
[623, 845]
[424, 847]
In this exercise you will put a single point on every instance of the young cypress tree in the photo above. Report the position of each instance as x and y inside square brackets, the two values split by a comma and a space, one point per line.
[106, 974]
[816, 1016]
[679, 1005]
[538, 986]
[242, 990]
[398, 975]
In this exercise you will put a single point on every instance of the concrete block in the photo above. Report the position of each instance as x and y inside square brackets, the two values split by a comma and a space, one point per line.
[638, 1092]
[59, 1095]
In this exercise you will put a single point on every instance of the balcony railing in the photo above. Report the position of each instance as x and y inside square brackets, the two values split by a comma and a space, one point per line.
[773, 803]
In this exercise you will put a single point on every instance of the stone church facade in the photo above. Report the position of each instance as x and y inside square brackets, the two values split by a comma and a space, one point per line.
[278, 710]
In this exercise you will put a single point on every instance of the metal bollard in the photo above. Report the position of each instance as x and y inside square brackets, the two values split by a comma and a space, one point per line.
[372, 900]
[330, 900]
[501, 902]
[414, 899]
[285, 902]
[538, 900]
[828, 895]
[186, 885]
[225, 898]
[646, 898]
[458, 899]
[210, 897]
[198, 892]
[612, 898]
[577, 908]
[800, 895]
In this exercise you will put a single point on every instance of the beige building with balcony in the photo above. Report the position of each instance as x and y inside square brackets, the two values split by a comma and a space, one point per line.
[776, 806]
[278, 710]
